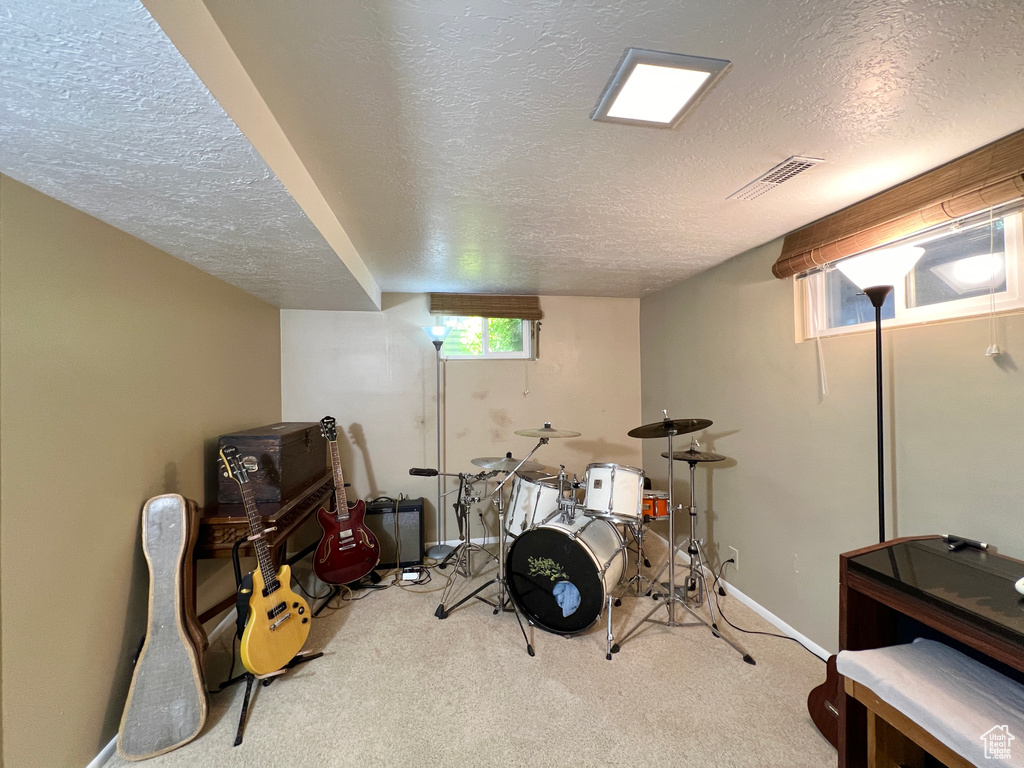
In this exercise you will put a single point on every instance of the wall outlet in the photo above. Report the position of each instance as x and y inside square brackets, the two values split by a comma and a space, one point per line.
[735, 555]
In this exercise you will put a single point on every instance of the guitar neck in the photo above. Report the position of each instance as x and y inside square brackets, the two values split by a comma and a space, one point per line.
[339, 479]
[259, 541]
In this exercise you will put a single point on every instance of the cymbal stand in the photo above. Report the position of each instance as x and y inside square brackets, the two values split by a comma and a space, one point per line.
[503, 600]
[673, 598]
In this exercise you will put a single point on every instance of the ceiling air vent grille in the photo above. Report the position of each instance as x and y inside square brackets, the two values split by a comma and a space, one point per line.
[766, 182]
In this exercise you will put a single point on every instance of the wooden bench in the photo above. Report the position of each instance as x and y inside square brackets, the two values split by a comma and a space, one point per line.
[926, 699]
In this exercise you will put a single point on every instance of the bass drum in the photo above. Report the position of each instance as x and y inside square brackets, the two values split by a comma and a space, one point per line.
[558, 552]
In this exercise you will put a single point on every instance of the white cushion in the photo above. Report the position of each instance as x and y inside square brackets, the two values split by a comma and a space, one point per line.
[955, 698]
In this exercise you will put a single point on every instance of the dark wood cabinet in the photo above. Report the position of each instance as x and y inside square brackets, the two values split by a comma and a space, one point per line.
[280, 460]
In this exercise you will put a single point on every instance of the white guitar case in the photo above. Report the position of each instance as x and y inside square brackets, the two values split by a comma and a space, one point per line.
[166, 704]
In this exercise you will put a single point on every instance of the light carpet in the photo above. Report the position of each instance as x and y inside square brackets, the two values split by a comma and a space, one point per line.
[397, 686]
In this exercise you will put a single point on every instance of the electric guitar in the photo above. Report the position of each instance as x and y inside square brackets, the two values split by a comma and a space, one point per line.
[278, 622]
[348, 550]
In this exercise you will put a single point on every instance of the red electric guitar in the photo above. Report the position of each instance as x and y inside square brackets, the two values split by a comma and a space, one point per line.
[348, 549]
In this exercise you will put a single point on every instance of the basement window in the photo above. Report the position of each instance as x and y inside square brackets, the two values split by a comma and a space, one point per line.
[970, 268]
[479, 338]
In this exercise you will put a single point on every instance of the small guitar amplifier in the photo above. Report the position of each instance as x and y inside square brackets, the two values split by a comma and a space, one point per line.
[401, 548]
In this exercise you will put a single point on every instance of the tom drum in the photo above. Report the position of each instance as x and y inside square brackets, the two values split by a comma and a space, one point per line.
[614, 492]
[533, 499]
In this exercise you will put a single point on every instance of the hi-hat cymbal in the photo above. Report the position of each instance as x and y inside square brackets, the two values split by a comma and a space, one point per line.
[676, 426]
[546, 431]
[506, 464]
[692, 456]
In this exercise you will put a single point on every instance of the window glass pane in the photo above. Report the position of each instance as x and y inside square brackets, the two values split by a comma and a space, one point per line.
[466, 337]
[968, 270]
[959, 266]
[848, 306]
[504, 335]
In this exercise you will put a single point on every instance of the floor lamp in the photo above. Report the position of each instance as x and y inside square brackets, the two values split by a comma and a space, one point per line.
[876, 273]
[437, 334]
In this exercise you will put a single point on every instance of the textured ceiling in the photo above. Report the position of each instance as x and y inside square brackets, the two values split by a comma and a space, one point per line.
[453, 145]
[98, 109]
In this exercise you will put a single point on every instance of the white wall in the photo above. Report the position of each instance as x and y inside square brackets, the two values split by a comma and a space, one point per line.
[800, 484]
[376, 374]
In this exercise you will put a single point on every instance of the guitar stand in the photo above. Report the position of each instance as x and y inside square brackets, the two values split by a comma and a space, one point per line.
[300, 658]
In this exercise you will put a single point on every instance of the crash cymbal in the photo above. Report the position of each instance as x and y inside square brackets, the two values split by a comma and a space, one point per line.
[677, 426]
[546, 431]
[506, 464]
[692, 456]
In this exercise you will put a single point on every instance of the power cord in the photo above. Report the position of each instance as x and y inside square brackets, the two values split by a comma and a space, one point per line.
[720, 591]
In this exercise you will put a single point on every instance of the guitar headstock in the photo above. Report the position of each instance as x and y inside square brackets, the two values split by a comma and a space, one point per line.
[233, 467]
[329, 428]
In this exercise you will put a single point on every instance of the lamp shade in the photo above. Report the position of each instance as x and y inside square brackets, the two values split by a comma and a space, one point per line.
[885, 266]
[437, 333]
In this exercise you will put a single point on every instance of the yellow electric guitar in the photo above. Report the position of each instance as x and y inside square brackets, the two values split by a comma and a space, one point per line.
[278, 621]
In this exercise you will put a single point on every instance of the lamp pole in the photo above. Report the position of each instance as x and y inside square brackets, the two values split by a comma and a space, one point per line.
[877, 295]
[437, 335]
[876, 273]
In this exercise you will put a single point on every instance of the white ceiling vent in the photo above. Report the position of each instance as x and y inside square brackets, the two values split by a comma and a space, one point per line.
[766, 182]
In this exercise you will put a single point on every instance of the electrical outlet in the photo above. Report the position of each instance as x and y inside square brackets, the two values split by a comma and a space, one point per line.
[735, 555]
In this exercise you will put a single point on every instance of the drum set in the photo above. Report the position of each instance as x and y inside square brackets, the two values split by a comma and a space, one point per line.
[561, 553]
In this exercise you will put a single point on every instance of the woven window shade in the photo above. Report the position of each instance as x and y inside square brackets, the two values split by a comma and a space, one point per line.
[477, 305]
[986, 177]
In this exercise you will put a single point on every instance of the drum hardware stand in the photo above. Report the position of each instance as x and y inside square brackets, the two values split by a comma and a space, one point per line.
[503, 600]
[463, 552]
[638, 578]
[669, 428]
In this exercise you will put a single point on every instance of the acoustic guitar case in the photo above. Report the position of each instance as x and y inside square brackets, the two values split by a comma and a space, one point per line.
[166, 704]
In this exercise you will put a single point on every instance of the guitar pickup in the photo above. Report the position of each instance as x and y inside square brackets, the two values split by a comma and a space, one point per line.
[346, 540]
[280, 621]
[277, 610]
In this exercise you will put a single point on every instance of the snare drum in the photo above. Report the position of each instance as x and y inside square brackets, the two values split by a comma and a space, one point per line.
[614, 492]
[534, 498]
[655, 504]
[587, 553]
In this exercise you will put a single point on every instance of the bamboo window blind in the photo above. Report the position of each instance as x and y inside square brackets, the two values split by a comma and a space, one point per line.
[480, 305]
[989, 176]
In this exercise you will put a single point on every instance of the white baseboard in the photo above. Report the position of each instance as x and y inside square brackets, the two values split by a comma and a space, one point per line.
[104, 755]
[456, 542]
[759, 609]
[805, 641]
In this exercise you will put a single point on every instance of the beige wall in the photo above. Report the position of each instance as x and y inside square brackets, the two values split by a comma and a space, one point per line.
[120, 365]
[375, 373]
[800, 484]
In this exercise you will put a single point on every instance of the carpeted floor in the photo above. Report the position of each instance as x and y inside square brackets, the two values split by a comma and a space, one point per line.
[397, 686]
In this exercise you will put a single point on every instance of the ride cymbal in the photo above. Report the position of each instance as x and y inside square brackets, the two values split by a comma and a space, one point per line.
[692, 456]
[546, 431]
[670, 426]
[506, 464]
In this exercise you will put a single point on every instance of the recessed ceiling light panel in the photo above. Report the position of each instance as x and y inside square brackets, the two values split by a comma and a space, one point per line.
[656, 88]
